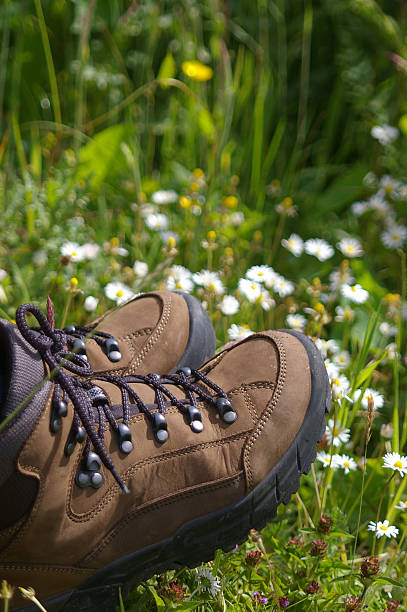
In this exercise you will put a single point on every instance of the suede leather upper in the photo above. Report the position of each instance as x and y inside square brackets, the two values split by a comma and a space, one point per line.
[72, 532]
[159, 319]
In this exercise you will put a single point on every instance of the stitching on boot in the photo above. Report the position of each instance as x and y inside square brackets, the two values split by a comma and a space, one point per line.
[114, 489]
[154, 337]
[269, 409]
[231, 481]
[47, 568]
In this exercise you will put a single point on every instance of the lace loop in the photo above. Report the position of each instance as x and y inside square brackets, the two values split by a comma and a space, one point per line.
[75, 381]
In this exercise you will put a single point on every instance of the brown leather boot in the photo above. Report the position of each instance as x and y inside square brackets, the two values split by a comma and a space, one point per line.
[130, 476]
[156, 332]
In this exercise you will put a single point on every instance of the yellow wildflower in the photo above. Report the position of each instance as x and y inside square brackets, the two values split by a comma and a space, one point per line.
[197, 71]
[230, 201]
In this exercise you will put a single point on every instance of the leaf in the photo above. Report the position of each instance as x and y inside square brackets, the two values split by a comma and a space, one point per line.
[367, 280]
[341, 534]
[167, 69]
[121, 601]
[342, 191]
[158, 601]
[345, 577]
[388, 580]
[102, 156]
[206, 123]
[403, 124]
[368, 371]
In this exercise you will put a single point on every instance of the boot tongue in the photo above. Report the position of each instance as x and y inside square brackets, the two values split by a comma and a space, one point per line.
[23, 371]
[21, 367]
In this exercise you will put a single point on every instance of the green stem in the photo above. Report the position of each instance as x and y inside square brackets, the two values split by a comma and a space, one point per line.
[305, 71]
[83, 53]
[277, 238]
[380, 507]
[50, 64]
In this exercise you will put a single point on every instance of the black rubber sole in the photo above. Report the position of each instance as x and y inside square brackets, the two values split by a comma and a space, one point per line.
[202, 340]
[197, 541]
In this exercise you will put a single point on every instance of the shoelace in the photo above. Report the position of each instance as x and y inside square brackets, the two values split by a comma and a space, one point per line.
[75, 380]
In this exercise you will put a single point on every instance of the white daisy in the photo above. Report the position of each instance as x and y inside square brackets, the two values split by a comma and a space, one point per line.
[394, 237]
[341, 359]
[335, 435]
[260, 274]
[355, 293]
[156, 221]
[327, 460]
[382, 529]
[385, 134]
[340, 386]
[319, 248]
[346, 462]
[294, 244]
[238, 332]
[250, 289]
[140, 268]
[282, 286]
[350, 247]
[119, 292]
[163, 196]
[326, 346]
[179, 279]
[167, 234]
[209, 280]
[296, 321]
[386, 431]
[236, 218]
[370, 179]
[344, 314]
[90, 304]
[208, 582]
[378, 399]
[401, 505]
[332, 369]
[388, 330]
[229, 305]
[265, 300]
[402, 192]
[341, 277]
[389, 184]
[358, 208]
[72, 250]
[378, 203]
[395, 462]
[90, 250]
[121, 251]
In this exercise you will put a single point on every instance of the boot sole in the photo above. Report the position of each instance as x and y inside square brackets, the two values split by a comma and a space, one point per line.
[202, 340]
[197, 541]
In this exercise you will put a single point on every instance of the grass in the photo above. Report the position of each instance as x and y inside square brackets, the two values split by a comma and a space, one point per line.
[99, 116]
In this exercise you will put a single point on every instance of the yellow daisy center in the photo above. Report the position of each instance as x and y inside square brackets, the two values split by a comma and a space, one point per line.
[398, 464]
[346, 463]
[335, 431]
[119, 293]
[383, 527]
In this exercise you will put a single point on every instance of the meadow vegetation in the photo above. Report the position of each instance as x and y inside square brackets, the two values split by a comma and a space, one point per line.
[253, 154]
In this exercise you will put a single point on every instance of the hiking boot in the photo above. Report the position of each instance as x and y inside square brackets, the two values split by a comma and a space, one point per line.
[131, 476]
[156, 332]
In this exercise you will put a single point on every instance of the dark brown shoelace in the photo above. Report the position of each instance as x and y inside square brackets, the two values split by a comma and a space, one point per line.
[75, 381]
